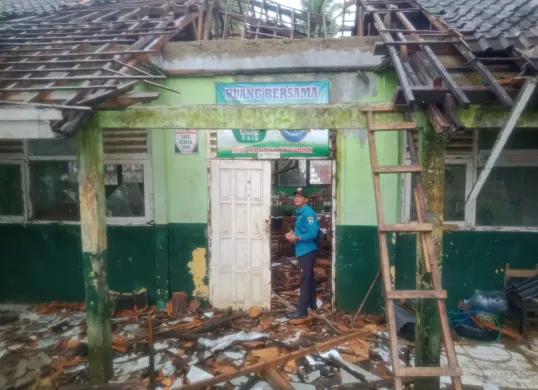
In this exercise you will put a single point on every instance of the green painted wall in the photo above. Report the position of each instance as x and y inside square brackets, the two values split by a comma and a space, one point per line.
[157, 256]
[355, 201]
[180, 191]
[172, 173]
[184, 239]
[357, 263]
[472, 260]
[180, 181]
[43, 262]
[357, 249]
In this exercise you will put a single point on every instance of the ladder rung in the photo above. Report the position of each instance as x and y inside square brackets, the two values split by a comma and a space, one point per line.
[394, 126]
[406, 227]
[416, 294]
[397, 169]
[428, 371]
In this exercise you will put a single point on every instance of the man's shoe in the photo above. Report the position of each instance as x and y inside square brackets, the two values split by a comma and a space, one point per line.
[295, 315]
[313, 308]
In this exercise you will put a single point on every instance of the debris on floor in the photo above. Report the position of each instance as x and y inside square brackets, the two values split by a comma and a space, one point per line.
[196, 347]
[48, 344]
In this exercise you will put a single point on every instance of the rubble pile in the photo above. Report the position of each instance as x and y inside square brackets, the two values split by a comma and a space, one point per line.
[46, 346]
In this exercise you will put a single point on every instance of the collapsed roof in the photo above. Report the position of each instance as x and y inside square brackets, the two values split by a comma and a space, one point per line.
[82, 55]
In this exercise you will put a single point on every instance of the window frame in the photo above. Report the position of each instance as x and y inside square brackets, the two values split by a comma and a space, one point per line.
[308, 184]
[24, 160]
[469, 179]
[471, 160]
[24, 216]
[148, 186]
[505, 228]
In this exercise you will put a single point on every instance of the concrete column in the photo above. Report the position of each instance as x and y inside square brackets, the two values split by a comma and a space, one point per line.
[428, 330]
[159, 167]
[94, 249]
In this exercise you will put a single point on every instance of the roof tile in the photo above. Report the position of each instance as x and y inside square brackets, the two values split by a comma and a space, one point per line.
[497, 24]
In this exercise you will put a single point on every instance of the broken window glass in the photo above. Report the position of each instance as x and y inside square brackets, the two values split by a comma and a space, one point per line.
[455, 180]
[11, 196]
[53, 193]
[510, 192]
[509, 198]
[320, 172]
[54, 190]
[294, 177]
[124, 189]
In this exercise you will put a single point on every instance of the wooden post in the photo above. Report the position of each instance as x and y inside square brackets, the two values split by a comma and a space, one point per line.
[94, 249]
[360, 20]
[226, 20]
[428, 330]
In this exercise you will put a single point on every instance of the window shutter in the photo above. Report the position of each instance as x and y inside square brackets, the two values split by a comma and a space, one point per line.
[461, 144]
[11, 148]
[125, 142]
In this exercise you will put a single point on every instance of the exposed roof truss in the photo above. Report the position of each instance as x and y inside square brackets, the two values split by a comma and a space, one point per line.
[79, 59]
[416, 41]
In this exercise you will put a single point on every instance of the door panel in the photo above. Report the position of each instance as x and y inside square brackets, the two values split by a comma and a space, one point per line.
[240, 213]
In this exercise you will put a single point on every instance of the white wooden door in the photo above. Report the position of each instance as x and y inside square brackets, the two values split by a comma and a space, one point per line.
[240, 227]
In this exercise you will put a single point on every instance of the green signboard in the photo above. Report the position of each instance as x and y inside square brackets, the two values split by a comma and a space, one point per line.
[273, 143]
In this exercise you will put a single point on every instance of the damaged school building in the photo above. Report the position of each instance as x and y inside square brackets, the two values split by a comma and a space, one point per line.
[152, 148]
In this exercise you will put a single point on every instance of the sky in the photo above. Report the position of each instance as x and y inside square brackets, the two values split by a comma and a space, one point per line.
[291, 3]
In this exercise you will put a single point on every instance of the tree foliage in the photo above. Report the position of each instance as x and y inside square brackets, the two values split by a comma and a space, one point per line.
[332, 11]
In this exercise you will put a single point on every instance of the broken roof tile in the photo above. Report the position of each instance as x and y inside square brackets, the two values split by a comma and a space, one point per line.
[501, 23]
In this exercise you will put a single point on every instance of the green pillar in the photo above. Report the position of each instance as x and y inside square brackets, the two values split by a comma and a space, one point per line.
[428, 330]
[94, 249]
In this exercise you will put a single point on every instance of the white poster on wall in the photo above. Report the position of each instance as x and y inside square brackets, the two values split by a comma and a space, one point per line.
[186, 141]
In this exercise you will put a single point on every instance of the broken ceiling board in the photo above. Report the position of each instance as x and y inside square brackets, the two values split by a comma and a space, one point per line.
[27, 122]
[26, 130]
[29, 114]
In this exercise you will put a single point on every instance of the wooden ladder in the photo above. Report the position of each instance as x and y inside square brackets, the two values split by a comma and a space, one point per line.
[430, 260]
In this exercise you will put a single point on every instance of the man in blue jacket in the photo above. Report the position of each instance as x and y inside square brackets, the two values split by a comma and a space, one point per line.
[306, 250]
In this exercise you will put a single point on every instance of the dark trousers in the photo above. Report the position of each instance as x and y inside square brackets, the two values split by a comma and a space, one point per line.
[307, 296]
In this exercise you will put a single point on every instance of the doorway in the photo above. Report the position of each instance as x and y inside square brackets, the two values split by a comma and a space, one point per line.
[251, 211]
[316, 176]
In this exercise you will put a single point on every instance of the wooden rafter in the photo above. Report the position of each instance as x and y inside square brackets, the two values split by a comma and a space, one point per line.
[414, 51]
[83, 50]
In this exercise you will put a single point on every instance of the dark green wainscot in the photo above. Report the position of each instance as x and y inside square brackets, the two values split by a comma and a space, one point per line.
[357, 263]
[43, 262]
[472, 260]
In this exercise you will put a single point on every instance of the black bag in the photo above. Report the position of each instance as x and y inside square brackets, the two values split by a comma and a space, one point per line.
[320, 238]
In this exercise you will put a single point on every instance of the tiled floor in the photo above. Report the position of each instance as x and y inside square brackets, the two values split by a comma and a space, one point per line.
[498, 366]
